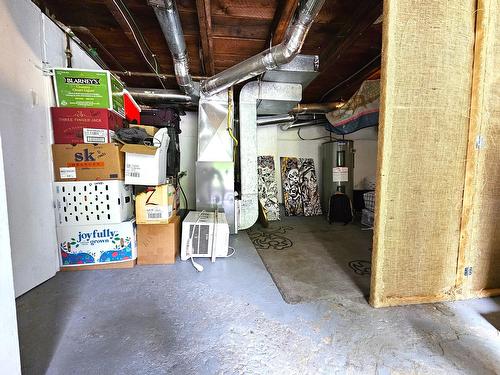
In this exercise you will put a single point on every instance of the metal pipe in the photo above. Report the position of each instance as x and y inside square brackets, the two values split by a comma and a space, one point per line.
[95, 57]
[153, 75]
[319, 122]
[158, 96]
[68, 52]
[273, 120]
[168, 17]
[317, 107]
[270, 59]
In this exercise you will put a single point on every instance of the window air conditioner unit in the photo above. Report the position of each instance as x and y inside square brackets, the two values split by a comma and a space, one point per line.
[205, 235]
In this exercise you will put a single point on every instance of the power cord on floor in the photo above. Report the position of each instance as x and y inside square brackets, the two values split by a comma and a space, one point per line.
[189, 249]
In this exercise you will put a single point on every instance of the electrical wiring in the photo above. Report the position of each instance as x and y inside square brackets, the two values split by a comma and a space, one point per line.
[313, 139]
[229, 117]
[154, 68]
[184, 196]
[350, 77]
[179, 178]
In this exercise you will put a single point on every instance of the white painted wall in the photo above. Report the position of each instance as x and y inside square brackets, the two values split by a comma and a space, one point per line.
[9, 343]
[27, 38]
[273, 141]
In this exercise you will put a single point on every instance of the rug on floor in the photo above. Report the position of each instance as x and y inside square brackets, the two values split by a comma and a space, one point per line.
[311, 260]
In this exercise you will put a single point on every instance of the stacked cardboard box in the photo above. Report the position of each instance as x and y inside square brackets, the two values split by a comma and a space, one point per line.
[94, 176]
[94, 207]
[158, 226]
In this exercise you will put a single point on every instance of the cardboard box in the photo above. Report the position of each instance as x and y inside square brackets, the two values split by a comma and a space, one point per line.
[93, 202]
[147, 165]
[158, 244]
[155, 205]
[84, 125]
[96, 244]
[86, 162]
[85, 88]
[102, 266]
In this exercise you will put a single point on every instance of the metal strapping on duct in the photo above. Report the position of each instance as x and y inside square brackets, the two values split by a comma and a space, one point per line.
[168, 17]
[249, 95]
[269, 59]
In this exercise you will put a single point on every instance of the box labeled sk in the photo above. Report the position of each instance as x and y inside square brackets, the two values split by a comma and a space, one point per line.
[158, 244]
[85, 88]
[155, 205]
[85, 162]
[93, 202]
[84, 125]
[147, 165]
[81, 245]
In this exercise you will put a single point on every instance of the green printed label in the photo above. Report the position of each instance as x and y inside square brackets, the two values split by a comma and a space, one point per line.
[88, 89]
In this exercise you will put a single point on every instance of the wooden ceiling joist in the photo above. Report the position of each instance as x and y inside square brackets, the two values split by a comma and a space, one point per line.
[367, 13]
[284, 14]
[122, 15]
[205, 22]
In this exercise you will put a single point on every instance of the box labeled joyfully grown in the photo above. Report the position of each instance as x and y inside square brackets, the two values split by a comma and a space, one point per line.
[97, 244]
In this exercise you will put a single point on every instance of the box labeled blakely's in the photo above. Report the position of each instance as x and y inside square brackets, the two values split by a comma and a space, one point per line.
[86, 162]
[81, 245]
[147, 165]
[93, 202]
[84, 88]
[84, 125]
[155, 205]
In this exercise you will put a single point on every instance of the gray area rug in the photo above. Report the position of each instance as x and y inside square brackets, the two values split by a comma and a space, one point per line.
[311, 260]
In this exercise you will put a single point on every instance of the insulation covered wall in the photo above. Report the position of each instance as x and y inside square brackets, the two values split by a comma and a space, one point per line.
[428, 49]
[479, 261]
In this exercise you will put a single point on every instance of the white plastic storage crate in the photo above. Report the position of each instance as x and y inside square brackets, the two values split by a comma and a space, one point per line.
[93, 202]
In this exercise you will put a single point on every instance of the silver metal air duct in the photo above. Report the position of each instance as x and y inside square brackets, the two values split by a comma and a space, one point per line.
[271, 58]
[168, 17]
[249, 95]
[158, 96]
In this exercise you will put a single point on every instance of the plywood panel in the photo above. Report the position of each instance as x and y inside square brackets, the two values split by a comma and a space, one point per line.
[480, 245]
[425, 100]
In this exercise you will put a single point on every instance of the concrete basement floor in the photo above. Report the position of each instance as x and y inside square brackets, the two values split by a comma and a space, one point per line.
[231, 319]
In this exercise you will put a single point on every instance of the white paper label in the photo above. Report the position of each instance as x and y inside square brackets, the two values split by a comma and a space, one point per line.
[67, 172]
[340, 174]
[95, 135]
[156, 213]
[133, 170]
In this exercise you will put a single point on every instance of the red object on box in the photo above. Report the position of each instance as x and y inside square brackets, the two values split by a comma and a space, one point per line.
[132, 109]
[68, 123]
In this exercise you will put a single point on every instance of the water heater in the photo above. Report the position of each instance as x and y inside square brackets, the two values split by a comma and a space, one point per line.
[337, 169]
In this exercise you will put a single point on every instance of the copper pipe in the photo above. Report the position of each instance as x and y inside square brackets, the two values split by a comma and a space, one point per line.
[316, 107]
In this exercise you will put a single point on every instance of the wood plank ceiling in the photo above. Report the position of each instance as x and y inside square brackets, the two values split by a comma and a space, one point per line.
[220, 33]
